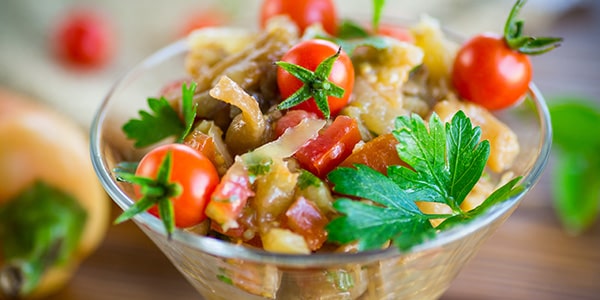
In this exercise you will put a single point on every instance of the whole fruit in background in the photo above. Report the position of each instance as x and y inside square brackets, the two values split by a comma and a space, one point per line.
[494, 70]
[84, 38]
[303, 12]
[53, 211]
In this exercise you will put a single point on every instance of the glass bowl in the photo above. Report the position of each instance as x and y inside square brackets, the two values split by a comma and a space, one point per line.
[222, 270]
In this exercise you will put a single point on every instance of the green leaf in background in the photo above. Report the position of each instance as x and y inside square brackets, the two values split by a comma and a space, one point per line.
[576, 191]
[576, 175]
[574, 122]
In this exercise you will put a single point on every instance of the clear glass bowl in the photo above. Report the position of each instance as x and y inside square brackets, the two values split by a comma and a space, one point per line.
[221, 270]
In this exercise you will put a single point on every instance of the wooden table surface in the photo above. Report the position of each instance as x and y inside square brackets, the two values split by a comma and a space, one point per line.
[529, 257]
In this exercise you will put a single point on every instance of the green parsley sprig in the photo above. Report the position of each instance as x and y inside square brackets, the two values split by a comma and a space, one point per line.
[445, 164]
[165, 122]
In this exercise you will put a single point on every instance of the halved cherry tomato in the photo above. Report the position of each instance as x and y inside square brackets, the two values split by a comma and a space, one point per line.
[486, 71]
[291, 119]
[84, 39]
[303, 12]
[309, 54]
[192, 171]
[331, 147]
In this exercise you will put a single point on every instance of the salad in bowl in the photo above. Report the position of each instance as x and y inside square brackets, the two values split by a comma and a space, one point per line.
[319, 158]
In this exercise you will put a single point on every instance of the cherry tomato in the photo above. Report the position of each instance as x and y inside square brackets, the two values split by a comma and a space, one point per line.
[190, 169]
[84, 39]
[486, 71]
[206, 18]
[309, 54]
[400, 33]
[303, 12]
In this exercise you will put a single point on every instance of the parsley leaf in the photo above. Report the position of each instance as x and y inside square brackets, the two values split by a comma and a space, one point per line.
[165, 122]
[372, 226]
[446, 161]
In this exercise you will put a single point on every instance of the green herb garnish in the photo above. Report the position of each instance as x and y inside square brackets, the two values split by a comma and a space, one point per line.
[165, 122]
[351, 35]
[446, 162]
[377, 9]
[306, 179]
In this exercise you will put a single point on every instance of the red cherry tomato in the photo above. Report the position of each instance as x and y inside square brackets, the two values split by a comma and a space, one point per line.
[398, 32]
[303, 12]
[309, 54]
[486, 71]
[84, 38]
[201, 19]
[190, 169]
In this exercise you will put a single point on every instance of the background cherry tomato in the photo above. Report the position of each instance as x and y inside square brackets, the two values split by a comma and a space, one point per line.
[309, 54]
[209, 17]
[303, 12]
[193, 171]
[84, 39]
[400, 33]
[486, 71]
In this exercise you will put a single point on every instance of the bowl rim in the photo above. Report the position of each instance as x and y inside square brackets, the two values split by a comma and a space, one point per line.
[224, 249]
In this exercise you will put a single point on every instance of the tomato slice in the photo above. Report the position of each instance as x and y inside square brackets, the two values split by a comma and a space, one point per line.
[291, 119]
[305, 218]
[378, 153]
[331, 147]
[230, 196]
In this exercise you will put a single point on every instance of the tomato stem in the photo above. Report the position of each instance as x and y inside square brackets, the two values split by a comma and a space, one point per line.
[514, 38]
[316, 84]
[157, 191]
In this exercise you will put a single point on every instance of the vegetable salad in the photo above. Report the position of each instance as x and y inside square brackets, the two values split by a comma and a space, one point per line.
[297, 138]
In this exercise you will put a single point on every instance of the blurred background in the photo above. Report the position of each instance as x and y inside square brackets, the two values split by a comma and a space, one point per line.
[530, 257]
